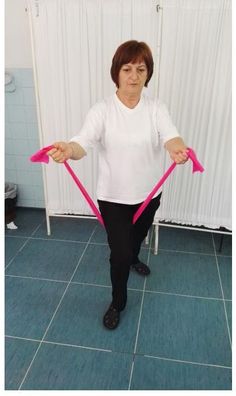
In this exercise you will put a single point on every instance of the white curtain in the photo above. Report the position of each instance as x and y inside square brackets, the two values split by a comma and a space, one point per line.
[73, 45]
[195, 80]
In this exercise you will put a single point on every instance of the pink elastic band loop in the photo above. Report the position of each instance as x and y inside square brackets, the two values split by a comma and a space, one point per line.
[85, 194]
[41, 156]
[197, 167]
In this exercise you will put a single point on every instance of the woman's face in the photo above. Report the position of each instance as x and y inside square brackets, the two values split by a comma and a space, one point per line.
[132, 77]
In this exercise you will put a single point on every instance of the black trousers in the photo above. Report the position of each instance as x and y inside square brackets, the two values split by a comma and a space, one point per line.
[125, 239]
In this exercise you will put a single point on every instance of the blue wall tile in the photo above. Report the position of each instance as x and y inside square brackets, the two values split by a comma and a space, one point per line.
[22, 139]
[15, 113]
[14, 98]
[22, 77]
[19, 130]
[29, 96]
[30, 114]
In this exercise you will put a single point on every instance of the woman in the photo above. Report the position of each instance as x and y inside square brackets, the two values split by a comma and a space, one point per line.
[128, 130]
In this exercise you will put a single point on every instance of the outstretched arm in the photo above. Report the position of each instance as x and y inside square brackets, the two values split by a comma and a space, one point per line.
[63, 151]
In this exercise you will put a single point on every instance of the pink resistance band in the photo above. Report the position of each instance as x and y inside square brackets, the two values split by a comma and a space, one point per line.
[197, 167]
[41, 156]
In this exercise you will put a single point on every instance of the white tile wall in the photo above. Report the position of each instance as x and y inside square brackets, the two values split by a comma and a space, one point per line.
[21, 140]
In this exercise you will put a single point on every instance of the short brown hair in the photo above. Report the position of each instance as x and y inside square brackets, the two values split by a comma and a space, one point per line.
[131, 51]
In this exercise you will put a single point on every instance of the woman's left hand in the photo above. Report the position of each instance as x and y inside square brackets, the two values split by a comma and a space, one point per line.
[179, 156]
[178, 151]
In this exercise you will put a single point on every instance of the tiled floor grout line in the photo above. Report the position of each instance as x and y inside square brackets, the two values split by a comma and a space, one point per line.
[57, 240]
[222, 292]
[22, 247]
[139, 320]
[18, 251]
[185, 295]
[22, 338]
[58, 343]
[78, 346]
[108, 286]
[16, 236]
[35, 278]
[36, 229]
[106, 244]
[188, 362]
[124, 353]
[197, 253]
[61, 299]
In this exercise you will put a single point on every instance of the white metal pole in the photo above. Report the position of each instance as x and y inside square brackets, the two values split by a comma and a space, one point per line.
[30, 18]
[156, 237]
[159, 9]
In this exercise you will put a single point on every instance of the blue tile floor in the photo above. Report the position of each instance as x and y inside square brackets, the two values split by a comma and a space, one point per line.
[175, 333]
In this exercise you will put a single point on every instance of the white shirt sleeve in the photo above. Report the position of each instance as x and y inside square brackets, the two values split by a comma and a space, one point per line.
[165, 127]
[91, 131]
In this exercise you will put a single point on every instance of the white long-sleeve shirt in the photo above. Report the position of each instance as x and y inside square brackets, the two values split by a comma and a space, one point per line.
[129, 142]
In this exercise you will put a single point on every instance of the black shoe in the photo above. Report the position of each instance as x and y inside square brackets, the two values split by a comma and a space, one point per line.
[111, 318]
[141, 268]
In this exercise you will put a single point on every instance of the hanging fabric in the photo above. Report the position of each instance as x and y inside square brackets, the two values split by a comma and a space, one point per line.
[196, 83]
[192, 42]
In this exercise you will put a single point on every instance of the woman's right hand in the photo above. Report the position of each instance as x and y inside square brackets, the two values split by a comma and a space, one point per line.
[61, 152]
